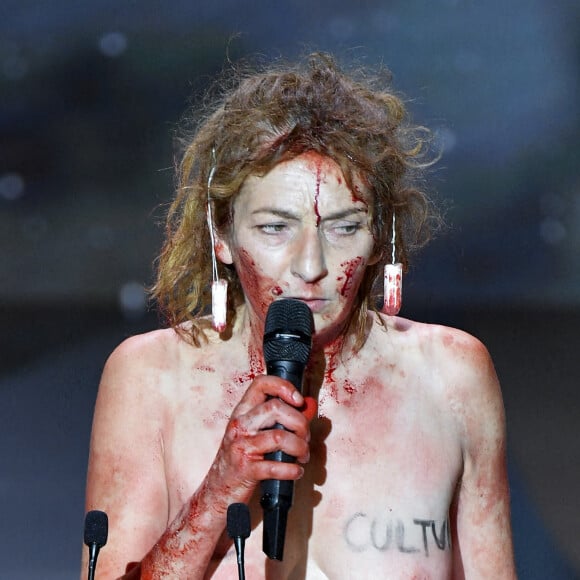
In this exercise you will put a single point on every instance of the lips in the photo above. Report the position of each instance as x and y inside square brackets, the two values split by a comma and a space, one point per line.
[315, 304]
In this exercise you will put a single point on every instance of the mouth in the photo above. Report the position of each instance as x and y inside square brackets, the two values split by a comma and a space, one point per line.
[315, 304]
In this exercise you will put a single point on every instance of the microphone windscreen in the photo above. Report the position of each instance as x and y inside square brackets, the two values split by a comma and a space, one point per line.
[288, 331]
[96, 528]
[238, 525]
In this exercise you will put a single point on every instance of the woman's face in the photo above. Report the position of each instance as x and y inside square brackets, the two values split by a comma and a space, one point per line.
[300, 232]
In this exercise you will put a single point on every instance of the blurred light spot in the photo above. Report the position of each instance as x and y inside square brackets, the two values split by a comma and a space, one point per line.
[11, 186]
[132, 299]
[445, 139]
[100, 237]
[552, 231]
[113, 44]
[341, 28]
[34, 228]
[467, 62]
[15, 67]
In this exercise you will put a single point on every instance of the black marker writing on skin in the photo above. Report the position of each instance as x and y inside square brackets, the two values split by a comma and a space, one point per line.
[442, 540]
[363, 533]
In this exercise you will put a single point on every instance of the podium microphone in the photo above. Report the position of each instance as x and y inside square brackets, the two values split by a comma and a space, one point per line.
[238, 526]
[287, 346]
[96, 532]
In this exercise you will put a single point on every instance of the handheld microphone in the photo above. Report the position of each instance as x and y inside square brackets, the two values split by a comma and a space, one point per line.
[238, 526]
[96, 532]
[287, 346]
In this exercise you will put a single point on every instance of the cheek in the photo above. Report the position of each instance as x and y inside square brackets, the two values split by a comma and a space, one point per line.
[259, 289]
[351, 274]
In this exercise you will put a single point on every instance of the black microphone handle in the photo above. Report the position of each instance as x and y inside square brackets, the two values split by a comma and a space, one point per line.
[239, 528]
[93, 555]
[287, 369]
[277, 495]
[239, 544]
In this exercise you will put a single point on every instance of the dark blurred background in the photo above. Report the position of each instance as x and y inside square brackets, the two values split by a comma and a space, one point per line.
[90, 96]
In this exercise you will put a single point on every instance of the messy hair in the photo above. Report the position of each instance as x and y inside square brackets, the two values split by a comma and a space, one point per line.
[274, 115]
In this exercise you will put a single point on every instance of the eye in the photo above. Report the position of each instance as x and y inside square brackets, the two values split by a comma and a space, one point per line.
[345, 228]
[272, 229]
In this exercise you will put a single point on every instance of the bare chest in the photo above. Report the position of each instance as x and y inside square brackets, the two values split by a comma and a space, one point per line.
[373, 503]
[384, 470]
[385, 460]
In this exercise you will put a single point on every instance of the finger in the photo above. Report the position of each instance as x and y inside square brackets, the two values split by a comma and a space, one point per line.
[267, 414]
[266, 386]
[309, 409]
[255, 445]
[278, 470]
[273, 440]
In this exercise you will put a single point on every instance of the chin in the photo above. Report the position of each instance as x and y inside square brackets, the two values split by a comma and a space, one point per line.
[326, 331]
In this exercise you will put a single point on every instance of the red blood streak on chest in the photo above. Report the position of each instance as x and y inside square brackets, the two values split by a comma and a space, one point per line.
[235, 382]
[339, 389]
[205, 368]
[256, 368]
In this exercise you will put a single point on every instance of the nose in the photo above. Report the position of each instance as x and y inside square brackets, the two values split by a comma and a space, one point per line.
[308, 262]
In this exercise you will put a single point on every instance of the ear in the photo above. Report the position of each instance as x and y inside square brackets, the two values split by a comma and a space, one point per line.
[375, 257]
[223, 250]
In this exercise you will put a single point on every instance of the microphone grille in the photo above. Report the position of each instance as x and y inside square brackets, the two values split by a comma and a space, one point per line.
[289, 315]
[288, 331]
[96, 528]
[238, 525]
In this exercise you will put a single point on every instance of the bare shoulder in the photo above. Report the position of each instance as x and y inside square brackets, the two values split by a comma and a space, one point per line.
[157, 353]
[449, 351]
[146, 350]
[460, 352]
[456, 370]
[138, 378]
[471, 384]
[465, 364]
[457, 363]
[160, 367]
[127, 445]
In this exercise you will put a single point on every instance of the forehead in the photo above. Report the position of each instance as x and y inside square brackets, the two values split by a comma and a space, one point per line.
[306, 178]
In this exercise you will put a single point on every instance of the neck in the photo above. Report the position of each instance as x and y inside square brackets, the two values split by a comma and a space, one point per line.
[330, 348]
[251, 329]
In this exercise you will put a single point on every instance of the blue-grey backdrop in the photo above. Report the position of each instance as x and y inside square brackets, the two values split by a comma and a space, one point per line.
[90, 95]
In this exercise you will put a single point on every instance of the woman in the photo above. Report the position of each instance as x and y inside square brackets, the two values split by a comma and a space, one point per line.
[301, 183]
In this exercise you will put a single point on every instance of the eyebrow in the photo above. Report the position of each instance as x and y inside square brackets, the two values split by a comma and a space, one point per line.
[292, 216]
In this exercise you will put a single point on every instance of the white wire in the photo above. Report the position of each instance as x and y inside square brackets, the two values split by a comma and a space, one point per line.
[393, 255]
[210, 218]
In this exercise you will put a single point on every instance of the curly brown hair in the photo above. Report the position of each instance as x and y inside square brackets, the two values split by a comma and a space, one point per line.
[274, 115]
